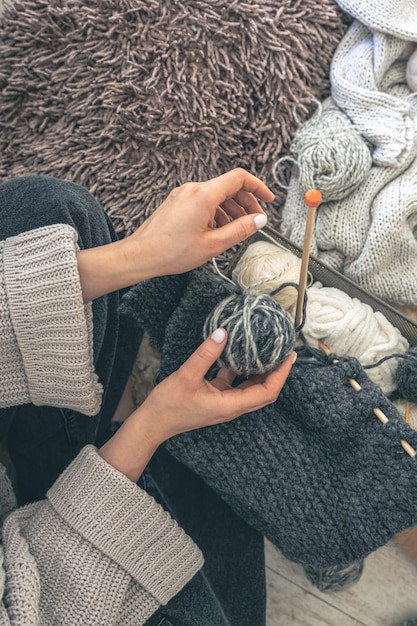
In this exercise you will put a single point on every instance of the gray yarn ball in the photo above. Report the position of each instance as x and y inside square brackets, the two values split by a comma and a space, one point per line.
[406, 375]
[337, 578]
[331, 154]
[260, 333]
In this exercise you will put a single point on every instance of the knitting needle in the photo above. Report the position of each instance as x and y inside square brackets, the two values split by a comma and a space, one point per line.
[312, 200]
[406, 446]
[407, 411]
[379, 414]
[410, 451]
[354, 383]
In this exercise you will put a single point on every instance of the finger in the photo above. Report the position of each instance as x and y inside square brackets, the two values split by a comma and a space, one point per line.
[221, 218]
[225, 376]
[198, 364]
[256, 395]
[247, 201]
[233, 209]
[234, 232]
[229, 184]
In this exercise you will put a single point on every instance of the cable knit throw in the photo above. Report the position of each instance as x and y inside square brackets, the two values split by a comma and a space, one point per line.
[369, 233]
[316, 472]
[132, 97]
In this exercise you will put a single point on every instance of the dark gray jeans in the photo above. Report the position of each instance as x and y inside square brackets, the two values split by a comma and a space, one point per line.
[42, 441]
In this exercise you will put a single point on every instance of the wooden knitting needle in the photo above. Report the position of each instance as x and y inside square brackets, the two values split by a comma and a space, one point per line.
[354, 383]
[312, 200]
[379, 414]
[407, 411]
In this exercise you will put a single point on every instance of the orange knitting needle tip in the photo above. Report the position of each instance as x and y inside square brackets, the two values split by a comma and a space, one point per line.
[312, 198]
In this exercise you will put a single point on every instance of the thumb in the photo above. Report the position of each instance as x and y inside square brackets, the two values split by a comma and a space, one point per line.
[199, 363]
[238, 230]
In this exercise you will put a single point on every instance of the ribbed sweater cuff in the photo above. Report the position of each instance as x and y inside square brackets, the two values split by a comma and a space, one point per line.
[126, 524]
[53, 327]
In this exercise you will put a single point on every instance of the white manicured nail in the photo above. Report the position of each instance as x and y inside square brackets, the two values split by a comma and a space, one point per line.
[260, 220]
[218, 335]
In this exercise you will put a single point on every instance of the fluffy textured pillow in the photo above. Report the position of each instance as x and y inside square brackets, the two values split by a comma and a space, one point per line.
[133, 97]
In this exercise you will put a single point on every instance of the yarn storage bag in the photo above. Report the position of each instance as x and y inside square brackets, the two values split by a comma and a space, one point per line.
[315, 472]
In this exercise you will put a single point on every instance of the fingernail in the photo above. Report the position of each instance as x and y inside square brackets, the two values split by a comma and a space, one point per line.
[260, 220]
[218, 335]
[294, 357]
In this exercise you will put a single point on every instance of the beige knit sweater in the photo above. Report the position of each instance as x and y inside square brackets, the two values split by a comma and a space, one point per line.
[98, 550]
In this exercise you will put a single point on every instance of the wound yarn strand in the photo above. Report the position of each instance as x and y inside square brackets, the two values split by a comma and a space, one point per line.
[406, 375]
[260, 333]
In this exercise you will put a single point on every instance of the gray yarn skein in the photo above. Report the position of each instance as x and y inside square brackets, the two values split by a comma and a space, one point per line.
[260, 332]
[331, 154]
[406, 375]
[336, 578]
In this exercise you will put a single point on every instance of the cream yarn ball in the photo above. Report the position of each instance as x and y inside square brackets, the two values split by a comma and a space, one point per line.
[264, 267]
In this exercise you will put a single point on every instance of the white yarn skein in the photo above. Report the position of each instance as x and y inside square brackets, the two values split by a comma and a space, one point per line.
[265, 267]
[350, 327]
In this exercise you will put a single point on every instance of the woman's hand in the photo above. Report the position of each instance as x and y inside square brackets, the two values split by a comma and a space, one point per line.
[180, 235]
[185, 401]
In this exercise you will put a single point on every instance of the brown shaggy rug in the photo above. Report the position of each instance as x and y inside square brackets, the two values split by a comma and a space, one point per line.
[132, 97]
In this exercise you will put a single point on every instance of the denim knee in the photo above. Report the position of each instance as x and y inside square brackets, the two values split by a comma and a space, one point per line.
[34, 201]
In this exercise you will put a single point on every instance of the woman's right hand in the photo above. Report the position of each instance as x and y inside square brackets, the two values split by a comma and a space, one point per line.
[180, 234]
[185, 401]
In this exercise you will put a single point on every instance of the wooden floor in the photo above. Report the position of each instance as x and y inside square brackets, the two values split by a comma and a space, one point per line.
[385, 595]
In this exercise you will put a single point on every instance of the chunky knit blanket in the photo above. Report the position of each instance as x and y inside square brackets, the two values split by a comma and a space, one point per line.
[132, 97]
[316, 472]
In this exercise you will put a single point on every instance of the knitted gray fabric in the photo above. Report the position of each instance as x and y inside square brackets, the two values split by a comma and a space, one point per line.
[316, 472]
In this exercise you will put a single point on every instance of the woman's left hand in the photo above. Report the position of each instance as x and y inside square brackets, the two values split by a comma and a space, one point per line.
[186, 400]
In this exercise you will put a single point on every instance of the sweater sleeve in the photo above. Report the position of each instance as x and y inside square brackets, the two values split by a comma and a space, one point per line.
[98, 551]
[46, 345]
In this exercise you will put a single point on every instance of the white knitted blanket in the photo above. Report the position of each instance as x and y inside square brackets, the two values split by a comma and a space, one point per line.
[370, 234]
